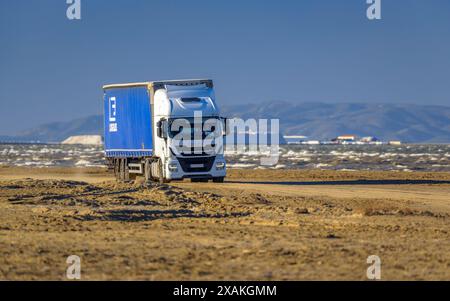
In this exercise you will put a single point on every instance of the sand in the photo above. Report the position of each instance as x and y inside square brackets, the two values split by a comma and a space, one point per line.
[259, 225]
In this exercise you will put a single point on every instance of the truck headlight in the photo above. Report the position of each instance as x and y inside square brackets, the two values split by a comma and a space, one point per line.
[173, 167]
[220, 165]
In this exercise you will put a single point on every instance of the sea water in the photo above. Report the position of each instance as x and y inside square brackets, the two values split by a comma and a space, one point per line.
[408, 157]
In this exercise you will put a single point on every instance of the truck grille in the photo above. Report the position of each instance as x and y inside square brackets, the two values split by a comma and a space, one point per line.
[202, 164]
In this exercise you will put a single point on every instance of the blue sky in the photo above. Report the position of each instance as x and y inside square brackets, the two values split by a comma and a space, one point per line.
[52, 69]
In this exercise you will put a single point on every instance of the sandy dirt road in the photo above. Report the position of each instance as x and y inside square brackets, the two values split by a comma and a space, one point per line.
[260, 225]
[427, 195]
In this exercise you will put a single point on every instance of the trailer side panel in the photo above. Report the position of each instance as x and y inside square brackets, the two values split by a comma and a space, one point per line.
[127, 122]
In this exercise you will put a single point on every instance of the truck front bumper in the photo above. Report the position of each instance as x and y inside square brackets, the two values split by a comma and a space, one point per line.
[195, 168]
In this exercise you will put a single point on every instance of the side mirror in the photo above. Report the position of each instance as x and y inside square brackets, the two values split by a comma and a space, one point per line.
[161, 129]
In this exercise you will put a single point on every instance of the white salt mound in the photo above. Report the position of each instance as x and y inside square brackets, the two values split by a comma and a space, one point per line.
[84, 139]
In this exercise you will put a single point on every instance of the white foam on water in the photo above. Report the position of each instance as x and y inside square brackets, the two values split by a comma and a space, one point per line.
[321, 165]
[240, 165]
[280, 166]
[82, 163]
[423, 157]
[400, 166]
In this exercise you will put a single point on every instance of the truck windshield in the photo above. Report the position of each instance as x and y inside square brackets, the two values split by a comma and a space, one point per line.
[185, 126]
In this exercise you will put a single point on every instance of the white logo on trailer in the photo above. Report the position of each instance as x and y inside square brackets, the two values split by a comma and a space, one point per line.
[112, 114]
[112, 109]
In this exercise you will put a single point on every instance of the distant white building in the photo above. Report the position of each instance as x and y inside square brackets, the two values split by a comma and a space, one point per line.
[348, 138]
[295, 139]
[84, 140]
[312, 142]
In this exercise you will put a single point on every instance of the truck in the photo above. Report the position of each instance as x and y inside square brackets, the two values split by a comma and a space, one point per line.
[142, 131]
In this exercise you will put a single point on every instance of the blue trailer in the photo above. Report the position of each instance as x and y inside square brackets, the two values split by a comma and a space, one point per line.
[128, 122]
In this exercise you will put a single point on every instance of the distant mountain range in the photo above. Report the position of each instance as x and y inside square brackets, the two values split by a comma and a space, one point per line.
[59, 131]
[405, 122]
[319, 121]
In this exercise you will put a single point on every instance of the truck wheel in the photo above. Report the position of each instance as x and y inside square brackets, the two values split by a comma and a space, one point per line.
[117, 169]
[125, 171]
[218, 180]
[148, 170]
[121, 170]
[160, 172]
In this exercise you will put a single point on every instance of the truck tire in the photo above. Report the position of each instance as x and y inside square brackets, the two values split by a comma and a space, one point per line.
[116, 163]
[160, 172]
[124, 171]
[148, 170]
[121, 170]
[219, 180]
